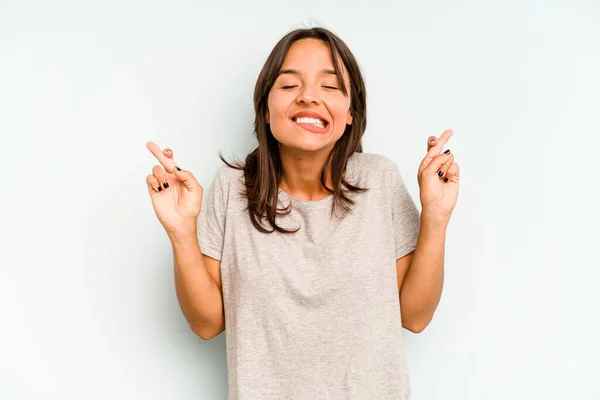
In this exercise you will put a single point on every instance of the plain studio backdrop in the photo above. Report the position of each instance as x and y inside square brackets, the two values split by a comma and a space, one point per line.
[87, 302]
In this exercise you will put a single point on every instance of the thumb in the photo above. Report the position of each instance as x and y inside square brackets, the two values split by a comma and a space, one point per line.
[187, 178]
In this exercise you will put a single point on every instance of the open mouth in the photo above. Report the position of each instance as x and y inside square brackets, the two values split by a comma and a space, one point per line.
[315, 121]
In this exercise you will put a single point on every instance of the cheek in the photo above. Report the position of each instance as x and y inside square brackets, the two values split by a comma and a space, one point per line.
[339, 107]
[277, 115]
[277, 107]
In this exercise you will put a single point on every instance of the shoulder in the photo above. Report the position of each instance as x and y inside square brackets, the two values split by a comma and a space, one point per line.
[226, 182]
[227, 173]
[226, 176]
[370, 160]
[372, 167]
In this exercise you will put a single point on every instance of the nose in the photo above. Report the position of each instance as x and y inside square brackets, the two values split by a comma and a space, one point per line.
[308, 94]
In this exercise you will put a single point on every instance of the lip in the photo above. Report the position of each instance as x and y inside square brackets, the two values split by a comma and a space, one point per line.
[311, 114]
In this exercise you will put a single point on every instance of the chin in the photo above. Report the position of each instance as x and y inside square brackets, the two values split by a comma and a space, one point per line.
[312, 146]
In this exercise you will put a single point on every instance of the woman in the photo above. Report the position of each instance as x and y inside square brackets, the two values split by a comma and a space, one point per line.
[311, 252]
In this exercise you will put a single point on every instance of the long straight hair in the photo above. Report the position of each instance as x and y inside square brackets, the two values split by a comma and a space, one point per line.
[262, 167]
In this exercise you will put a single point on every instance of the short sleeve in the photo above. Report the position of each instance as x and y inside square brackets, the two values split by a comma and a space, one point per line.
[405, 215]
[211, 221]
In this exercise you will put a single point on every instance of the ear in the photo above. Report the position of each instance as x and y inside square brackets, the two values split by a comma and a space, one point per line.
[349, 119]
[267, 118]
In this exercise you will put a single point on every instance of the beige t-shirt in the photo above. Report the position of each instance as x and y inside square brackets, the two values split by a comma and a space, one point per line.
[314, 314]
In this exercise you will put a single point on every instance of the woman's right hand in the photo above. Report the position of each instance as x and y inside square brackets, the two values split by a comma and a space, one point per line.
[176, 195]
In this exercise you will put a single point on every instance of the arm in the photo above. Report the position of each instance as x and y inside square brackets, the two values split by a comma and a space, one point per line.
[198, 285]
[421, 276]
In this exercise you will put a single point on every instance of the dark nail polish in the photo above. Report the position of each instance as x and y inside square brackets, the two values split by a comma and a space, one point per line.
[178, 169]
[447, 151]
[445, 179]
[160, 189]
[440, 173]
[166, 185]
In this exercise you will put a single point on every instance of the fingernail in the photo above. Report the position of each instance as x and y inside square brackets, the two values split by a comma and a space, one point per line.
[445, 179]
[440, 173]
[432, 140]
[160, 188]
[178, 169]
[166, 185]
[447, 151]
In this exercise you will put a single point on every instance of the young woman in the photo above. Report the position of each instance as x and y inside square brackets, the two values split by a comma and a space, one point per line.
[311, 253]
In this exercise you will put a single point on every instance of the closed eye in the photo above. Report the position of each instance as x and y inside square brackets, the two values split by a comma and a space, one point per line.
[331, 87]
[288, 86]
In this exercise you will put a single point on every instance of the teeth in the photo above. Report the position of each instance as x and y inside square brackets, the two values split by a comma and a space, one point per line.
[315, 121]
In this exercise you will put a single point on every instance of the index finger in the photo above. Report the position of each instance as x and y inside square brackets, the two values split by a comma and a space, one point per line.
[166, 162]
[437, 149]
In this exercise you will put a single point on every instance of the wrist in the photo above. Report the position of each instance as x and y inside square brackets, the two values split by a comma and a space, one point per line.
[183, 234]
[434, 220]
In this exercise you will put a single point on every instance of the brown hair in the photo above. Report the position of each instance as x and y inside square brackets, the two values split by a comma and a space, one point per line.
[262, 167]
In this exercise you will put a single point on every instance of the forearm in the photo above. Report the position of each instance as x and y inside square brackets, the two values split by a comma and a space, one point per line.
[198, 295]
[422, 286]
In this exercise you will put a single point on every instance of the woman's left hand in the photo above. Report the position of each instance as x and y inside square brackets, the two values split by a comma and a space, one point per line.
[438, 178]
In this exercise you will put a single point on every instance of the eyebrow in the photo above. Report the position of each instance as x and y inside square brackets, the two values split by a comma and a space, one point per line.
[296, 72]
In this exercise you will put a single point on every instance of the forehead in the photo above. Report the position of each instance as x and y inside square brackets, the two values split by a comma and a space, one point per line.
[310, 56]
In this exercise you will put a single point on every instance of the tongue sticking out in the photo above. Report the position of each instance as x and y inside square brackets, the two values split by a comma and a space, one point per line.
[312, 124]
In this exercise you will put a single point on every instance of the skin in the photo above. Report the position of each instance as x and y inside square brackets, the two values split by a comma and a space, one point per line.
[420, 274]
[303, 153]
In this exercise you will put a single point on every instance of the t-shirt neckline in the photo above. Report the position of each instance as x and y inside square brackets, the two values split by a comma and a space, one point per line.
[307, 203]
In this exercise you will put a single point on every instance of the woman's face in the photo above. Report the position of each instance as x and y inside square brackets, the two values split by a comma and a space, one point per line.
[307, 110]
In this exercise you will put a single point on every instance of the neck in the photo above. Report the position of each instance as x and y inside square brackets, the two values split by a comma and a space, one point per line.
[301, 174]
